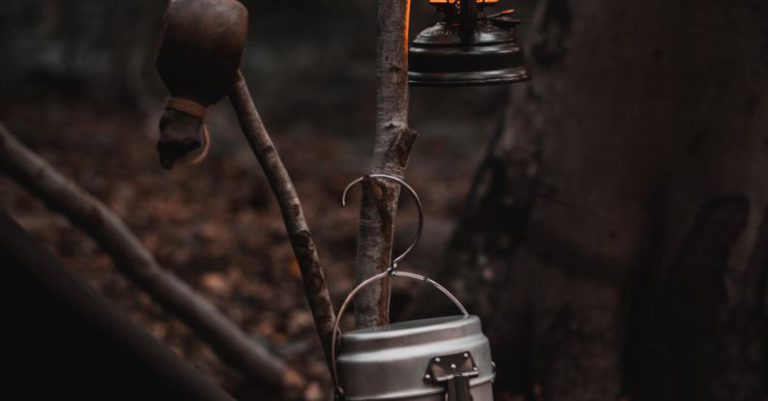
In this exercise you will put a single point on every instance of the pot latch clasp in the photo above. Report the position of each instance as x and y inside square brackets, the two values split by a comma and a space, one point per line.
[453, 371]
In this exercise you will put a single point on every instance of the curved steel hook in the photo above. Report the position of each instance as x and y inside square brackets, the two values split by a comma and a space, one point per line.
[415, 196]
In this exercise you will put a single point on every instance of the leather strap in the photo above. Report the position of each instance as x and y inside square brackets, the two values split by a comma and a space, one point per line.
[187, 106]
[198, 110]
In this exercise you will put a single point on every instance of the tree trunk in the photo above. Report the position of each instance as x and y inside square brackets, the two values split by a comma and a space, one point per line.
[616, 238]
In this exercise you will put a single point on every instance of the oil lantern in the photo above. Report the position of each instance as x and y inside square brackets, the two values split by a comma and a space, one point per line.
[439, 359]
[467, 47]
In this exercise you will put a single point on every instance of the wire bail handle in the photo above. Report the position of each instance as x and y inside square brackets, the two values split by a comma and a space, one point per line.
[391, 271]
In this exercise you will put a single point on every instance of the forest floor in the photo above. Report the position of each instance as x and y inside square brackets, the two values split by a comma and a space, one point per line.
[216, 225]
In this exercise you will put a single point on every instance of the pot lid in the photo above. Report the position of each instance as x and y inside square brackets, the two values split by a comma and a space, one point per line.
[412, 332]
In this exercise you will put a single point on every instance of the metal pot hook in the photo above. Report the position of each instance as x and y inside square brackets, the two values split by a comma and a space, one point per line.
[415, 197]
[392, 271]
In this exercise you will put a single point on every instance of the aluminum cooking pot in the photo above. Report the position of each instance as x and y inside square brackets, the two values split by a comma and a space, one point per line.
[444, 358]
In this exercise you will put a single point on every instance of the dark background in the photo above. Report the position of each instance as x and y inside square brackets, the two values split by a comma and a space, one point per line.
[608, 220]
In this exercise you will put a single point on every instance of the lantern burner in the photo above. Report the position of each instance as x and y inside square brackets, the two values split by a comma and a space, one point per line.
[467, 48]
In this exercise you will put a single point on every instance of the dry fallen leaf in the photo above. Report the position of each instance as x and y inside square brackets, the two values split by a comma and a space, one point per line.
[217, 283]
[293, 269]
[313, 392]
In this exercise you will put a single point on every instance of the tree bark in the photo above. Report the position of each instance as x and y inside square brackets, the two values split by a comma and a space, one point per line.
[315, 287]
[392, 147]
[618, 232]
[134, 260]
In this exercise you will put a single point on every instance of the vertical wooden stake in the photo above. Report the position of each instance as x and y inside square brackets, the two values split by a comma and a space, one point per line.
[392, 147]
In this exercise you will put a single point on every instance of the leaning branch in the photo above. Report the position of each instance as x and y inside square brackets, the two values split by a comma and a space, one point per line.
[392, 148]
[28, 260]
[315, 287]
[134, 260]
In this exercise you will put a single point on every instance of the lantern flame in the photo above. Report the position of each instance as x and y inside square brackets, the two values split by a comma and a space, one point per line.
[457, 1]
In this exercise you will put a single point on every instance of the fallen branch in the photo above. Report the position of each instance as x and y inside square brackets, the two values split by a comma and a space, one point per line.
[315, 287]
[63, 296]
[392, 147]
[134, 260]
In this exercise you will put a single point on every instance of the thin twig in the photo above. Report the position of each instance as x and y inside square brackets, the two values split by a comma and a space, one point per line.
[392, 148]
[132, 258]
[315, 287]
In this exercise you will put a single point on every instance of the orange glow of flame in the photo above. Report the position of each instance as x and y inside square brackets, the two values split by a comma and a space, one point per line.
[406, 29]
[454, 1]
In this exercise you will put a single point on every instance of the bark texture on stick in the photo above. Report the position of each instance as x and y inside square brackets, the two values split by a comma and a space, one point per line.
[304, 248]
[392, 147]
[134, 260]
